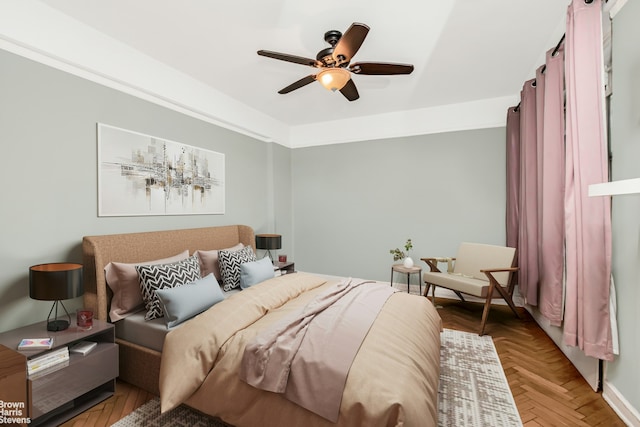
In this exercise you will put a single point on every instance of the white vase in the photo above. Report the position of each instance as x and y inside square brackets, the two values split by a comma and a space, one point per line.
[408, 262]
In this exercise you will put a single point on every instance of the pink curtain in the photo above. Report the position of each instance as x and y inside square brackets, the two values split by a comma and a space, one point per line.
[513, 175]
[539, 84]
[551, 188]
[528, 209]
[588, 221]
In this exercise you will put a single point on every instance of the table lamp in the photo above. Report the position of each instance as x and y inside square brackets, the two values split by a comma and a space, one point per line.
[56, 282]
[268, 242]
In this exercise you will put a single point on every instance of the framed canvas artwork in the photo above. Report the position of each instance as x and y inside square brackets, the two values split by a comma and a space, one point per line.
[140, 174]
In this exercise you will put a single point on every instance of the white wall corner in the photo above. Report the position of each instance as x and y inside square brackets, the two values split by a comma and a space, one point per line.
[627, 413]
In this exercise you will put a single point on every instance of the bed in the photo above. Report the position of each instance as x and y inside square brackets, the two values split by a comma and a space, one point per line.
[393, 379]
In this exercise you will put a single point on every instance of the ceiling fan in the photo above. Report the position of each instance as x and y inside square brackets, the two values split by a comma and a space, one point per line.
[333, 63]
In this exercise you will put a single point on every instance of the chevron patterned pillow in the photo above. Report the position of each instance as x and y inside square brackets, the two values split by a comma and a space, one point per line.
[230, 265]
[163, 276]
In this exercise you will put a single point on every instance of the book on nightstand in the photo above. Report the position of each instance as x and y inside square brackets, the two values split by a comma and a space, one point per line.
[47, 370]
[47, 360]
[35, 344]
[83, 347]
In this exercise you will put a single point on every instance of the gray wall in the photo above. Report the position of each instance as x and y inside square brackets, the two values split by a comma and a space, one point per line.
[623, 374]
[49, 177]
[354, 202]
[282, 201]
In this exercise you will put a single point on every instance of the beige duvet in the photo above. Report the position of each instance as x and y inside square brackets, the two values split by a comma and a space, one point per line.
[393, 380]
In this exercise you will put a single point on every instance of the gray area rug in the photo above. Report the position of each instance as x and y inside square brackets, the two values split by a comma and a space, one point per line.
[149, 415]
[473, 387]
[473, 391]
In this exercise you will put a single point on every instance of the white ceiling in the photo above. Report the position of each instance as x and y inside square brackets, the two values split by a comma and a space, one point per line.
[471, 58]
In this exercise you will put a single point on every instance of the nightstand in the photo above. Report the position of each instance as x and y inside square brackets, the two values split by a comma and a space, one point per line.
[285, 267]
[60, 394]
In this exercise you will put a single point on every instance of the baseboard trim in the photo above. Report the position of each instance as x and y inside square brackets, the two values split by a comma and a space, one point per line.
[627, 413]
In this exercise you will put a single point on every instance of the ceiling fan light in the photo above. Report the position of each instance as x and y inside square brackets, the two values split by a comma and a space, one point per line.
[333, 78]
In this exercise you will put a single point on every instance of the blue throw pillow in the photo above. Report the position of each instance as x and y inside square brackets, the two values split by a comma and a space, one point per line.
[255, 272]
[184, 302]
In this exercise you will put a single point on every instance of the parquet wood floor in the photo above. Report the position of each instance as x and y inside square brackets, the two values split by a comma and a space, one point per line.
[548, 390]
[124, 401]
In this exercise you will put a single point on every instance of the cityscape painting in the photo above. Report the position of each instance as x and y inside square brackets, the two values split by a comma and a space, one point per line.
[144, 175]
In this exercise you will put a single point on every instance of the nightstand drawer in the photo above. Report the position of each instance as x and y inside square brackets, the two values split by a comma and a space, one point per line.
[82, 374]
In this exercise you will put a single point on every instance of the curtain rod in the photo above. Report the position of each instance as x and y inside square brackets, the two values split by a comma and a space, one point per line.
[544, 67]
[558, 45]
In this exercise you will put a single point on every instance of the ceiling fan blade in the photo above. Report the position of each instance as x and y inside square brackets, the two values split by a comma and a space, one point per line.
[297, 85]
[290, 58]
[349, 43]
[350, 91]
[379, 68]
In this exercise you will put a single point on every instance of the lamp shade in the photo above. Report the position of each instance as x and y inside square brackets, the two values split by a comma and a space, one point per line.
[268, 241]
[333, 78]
[56, 281]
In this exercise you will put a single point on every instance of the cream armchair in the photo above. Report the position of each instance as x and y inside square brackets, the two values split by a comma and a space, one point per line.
[477, 270]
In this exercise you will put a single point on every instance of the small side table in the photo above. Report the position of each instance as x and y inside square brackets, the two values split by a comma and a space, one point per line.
[399, 268]
[285, 267]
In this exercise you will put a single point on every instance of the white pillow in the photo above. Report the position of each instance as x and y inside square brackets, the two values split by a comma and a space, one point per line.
[252, 273]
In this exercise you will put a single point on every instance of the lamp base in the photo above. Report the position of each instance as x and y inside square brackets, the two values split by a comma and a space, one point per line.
[57, 325]
[268, 254]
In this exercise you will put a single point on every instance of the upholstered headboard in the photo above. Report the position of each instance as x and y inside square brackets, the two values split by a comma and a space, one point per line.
[98, 251]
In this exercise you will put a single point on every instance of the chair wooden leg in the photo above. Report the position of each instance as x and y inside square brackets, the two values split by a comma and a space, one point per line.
[508, 299]
[487, 307]
[460, 296]
[427, 286]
